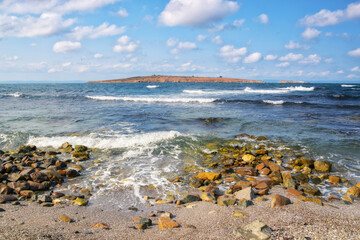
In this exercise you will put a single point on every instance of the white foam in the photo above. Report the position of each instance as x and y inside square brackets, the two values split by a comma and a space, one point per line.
[101, 142]
[152, 86]
[344, 85]
[279, 102]
[153, 99]
[214, 92]
[299, 88]
[194, 91]
[16, 94]
[265, 91]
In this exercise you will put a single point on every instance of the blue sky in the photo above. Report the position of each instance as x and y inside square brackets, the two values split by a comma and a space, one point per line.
[80, 40]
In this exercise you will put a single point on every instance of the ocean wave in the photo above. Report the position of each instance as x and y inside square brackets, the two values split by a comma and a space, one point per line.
[195, 91]
[152, 86]
[151, 100]
[279, 102]
[299, 88]
[15, 94]
[265, 91]
[101, 142]
[345, 85]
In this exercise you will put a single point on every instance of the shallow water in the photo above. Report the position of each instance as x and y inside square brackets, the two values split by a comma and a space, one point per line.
[146, 132]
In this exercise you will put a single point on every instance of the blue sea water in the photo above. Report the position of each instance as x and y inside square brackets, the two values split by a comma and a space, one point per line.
[146, 132]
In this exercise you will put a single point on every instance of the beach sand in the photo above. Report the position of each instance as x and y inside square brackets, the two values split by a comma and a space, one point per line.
[202, 220]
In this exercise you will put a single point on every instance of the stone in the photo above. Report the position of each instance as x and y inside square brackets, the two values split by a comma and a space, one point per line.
[65, 219]
[310, 199]
[39, 177]
[246, 193]
[47, 204]
[71, 173]
[254, 231]
[293, 192]
[239, 214]
[288, 181]
[80, 202]
[190, 198]
[322, 166]
[66, 147]
[35, 186]
[141, 226]
[244, 203]
[26, 173]
[4, 189]
[264, 171]
[2, 210]
[208, 197]
[80, 148]
[101, 225]
[273, 166]
[7, 198]
[146, 221]
[14, 177]
[358, 185]
[57, 194]
[53, 175]
[276, 177]
[279, 201]
[196, 183]
[301, 177]
[349, 198]
[355, 191]
[310, 190]
[240, 185]
[248, 158]
[208, 176]
[168, 214]
[27, 193]
[18, 186]
[334, 179]
[60, 165]
[166, 222]
[44, 198]
[245, 171]
[225, 201]
[80, 156]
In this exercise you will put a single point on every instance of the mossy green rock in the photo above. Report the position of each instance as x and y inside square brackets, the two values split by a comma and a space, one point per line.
[80, 202]
[80, 148]
[225, 201]
[288, 181]
[190, 198]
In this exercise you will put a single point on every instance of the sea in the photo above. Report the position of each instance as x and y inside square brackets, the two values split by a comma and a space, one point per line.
[146, 133]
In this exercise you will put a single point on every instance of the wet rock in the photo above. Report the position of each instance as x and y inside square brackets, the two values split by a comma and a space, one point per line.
[334, 179]
[71, 173]
[355, 191]
[300, 177]
[273, 166]
[262, 188]
[293, 192]
[349, 198]
[44, 198]
[80, 202]
[310, 190]
[80, 148]
[208, 197]
[53, 175]
[226, 201]
[264, 171]
[66, 147]
[27, 193]
[254, 231]
[80, 156]
[279, 201]
[18, 186]
[276, 177]
[4, 189]
[39, 177]
[60, 165]
[288, 181]
[7, 198]
[208, 176]
[14, 177]
[322, 166]
[310, 199]
[245, 171]
[190, 198]
[248, 158]
[196, 183]
[247, 194]
[244, 203]
[315, 180]
[65, 218]
[166, 222]
[57, 194]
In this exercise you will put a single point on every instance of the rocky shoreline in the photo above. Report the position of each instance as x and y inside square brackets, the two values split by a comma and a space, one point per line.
[265, 192]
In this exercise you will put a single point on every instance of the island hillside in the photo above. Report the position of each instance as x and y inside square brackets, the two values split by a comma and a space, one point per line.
[177, 79]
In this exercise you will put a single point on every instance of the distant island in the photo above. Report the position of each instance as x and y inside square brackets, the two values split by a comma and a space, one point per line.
[177, 79]
[291, 81]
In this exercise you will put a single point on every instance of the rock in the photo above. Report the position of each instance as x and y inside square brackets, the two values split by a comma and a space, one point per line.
[358, 185]
[349, 198]
[66, 147]
[47, 204]
[35, 186]
[80, 148]
[245, 171]
[279, 201]
[18, 186]
[276, 177]
[60, 165]
[71, 173]
[2, 210]
[80, 202]
[4, 189]
[273, 166]
[301, 177]
[65, 219]
[141, 226]
[190, 198]
[248, 158]
[7, 198]
[166, 222]
[293, 192]
[244, 203]
[240, 185]
[196, 183]
[53, 175]
[309, 199]
[39, 177]
[208, 176]
[288, 181]
[146, 221]
[310, 190]
[27, 193]
[101, 225]
[247, 194]
[226, 201]
[44, 198]
[14, 177]
[264, 171]
[254, 231]
[80, 156]
[167, 214]
[355, 191]
[322, 166]
[26, 173]
[239, 214]
[208, 197]
[334, 179]
[57, 194]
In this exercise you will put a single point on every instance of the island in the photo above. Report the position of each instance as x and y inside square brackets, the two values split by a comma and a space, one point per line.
[177, 79]
[292, 81]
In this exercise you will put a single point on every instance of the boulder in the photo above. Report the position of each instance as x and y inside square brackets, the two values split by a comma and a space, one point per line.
[279, 201]
[166, 222]
[39, 177]
[246, 193]
[208, 176]
[248, 158]
[18, 186]
[53, 175]
[80, 148]
[190, 198]
[226, 201]
[322, 166]
[71, 173]
[273, 166]
[4, 189]
[254, 231]
[288, 181]
[245, 171]
[355, 191]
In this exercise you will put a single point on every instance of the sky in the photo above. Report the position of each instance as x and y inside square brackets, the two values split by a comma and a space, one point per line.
[81, 40]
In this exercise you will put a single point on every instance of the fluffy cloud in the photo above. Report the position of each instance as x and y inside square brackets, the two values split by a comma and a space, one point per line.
[172, 42]
[126, 45]
[197, 13]
[66, 46]
[291, 57]
[284, 64]
[355, 69]
[354, 53]
[340, 72]
[310, 33]
[295, 45]
[311, 59]
[253, 58]
[103, 30]
[232, 54]
[217, 40]
[263, 18]
[47, 24]
[123, 13]
[270, 57]
[326, 17]
[81, 5]
[181, 46]
[98, 55]
[318, 74]
[201, 38]
[238, 23]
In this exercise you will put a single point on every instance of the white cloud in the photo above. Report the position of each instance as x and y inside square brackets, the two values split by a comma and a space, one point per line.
[283, 64]
[326, 17]
[81, 5]
[291, 57]
[311, 59]
[310, 33]
[263, 18]
[318, 74]
[123, 13]
[329, 60]
[12, 58]
[197, 13]
[217, 40]
[98, 55]
[183, 46]
[122, 65]
[67, 64]
[47, 24]
[340, 72]
[38, 65]
[103, 30]
[33, 44]
[355, 69]
[126, 45]
[354, 53]
[201, 38]
[295, 45]
[270, 57]
[232, 54]
[66, 46]
[172, 42]
[82, 68]
[253, 58]
[352, 76]
[238, 23]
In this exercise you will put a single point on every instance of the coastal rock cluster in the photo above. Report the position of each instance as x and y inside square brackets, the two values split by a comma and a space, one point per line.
[32, 174]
